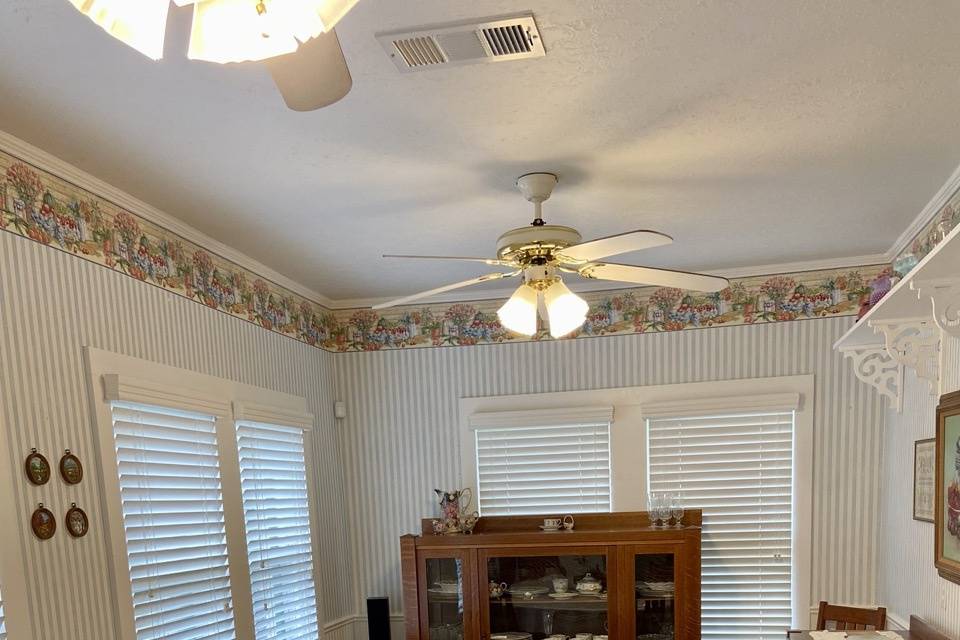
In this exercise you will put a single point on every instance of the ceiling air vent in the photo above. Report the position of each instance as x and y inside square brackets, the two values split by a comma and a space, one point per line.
[486, 40]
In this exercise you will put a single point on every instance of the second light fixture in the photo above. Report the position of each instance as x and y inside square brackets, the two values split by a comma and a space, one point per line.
[565, 311]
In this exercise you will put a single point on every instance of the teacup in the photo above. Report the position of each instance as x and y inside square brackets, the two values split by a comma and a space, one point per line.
[497, 590]
[560, 585]
[552, 523]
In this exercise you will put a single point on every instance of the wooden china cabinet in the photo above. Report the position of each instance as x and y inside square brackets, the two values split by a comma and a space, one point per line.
[650, 580]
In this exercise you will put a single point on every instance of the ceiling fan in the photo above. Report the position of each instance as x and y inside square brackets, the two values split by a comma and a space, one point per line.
[294, 37]
[540, 252]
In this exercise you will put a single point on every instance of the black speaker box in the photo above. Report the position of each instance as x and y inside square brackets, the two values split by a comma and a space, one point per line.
[378, 618]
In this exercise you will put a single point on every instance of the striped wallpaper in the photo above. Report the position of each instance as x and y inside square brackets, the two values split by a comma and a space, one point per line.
[52, 304]
[907, 580]
[400, 438]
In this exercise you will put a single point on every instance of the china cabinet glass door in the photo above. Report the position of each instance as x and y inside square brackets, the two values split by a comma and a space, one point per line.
[446, 611]
[534, 594]
[653, 582]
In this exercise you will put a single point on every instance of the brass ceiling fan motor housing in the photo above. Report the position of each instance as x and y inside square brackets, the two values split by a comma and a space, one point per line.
[525, 245]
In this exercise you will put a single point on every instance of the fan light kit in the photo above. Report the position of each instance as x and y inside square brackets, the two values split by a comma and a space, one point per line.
[245, 30]
[541, 252]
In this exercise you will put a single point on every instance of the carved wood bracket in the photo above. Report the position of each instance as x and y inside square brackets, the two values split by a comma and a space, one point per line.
[914, 343]
[876, 367]
[944, 295]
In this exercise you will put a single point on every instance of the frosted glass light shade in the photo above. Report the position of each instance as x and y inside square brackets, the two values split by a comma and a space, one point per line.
[233, 30]
[138, 23]
[519, 313]
[566, 310]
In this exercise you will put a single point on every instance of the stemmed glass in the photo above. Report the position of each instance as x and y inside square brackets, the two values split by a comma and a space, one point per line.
[676, 509]
[659, 509]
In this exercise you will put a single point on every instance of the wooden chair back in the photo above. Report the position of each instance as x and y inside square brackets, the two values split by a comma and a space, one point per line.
[836, 617]
[920, 629]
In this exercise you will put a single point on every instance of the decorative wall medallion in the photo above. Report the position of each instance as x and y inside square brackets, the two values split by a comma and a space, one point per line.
[43, 523]
[76, 521]
[70, 468]
[37, 468]
[876, 367]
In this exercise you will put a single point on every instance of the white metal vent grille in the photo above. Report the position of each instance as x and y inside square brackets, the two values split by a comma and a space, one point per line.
[509, 40]
[419, 52]
[486, 40]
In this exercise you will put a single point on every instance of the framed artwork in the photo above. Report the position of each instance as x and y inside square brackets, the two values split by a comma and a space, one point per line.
[924, 479]
[43, 523]
[37, 468]
[76, 521]
[70, 468]
[947, 520]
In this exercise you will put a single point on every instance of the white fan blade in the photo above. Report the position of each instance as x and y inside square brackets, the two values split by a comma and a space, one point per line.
[656, 277]
[614, 245]
[313, 76]
[491, 261]
[445, 288]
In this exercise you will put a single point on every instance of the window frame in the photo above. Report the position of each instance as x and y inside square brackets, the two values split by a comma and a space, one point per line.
[628, 437]
[113, 376]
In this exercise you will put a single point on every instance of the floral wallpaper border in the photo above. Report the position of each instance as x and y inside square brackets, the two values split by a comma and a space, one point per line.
[930, 236]
[46, 209]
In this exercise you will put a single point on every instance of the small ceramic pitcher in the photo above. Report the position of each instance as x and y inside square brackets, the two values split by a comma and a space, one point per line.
[453, 503]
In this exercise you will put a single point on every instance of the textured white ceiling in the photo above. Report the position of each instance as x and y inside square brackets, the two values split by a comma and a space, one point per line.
[753, 132]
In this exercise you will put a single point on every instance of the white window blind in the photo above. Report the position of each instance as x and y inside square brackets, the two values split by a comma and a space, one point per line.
[545, 469]
[276, 511]
[738, 468]
[172, 507]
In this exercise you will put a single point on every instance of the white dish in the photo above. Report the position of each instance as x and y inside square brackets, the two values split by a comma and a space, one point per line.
[545, 528]
[563, 596]
[510, 635]
[522, 591]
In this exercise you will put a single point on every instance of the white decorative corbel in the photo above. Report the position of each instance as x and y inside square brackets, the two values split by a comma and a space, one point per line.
[876, 367]
[944, 295]
[914, 343]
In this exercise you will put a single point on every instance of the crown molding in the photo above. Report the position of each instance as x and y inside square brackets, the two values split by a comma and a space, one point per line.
[66, 171]
[926, 214]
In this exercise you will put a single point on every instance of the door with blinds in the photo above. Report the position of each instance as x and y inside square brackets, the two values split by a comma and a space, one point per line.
[168, 464]
[276, 509]
[738, 467]
[544, 468]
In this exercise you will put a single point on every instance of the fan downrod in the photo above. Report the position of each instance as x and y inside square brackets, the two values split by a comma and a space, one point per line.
[537, 188]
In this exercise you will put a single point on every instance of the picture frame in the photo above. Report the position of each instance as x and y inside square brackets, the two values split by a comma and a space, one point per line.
[37, 468]
[71, 470]
[43, 523]
[76, 521]
[947, 518]
[924, 480]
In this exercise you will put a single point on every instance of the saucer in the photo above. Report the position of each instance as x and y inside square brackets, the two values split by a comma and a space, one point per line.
[563, 596]
[546, 528]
